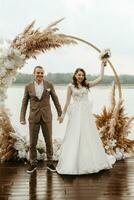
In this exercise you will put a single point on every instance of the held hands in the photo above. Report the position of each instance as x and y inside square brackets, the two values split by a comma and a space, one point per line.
[60, 119]
[23, 122]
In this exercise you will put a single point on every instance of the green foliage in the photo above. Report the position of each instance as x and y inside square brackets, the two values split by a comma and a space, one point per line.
[24, 78]
[65, 78]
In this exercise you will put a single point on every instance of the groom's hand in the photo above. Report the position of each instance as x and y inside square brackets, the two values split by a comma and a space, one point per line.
[23, 122]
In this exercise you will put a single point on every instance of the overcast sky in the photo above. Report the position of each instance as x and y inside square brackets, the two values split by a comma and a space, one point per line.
[105, 23]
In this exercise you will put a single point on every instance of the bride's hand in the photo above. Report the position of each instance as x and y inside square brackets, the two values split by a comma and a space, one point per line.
[60, 119]
[104, 62]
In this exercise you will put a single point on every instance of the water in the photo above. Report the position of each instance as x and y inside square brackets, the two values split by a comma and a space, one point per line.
[99, 95]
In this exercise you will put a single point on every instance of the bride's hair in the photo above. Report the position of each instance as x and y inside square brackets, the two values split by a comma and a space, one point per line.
[84, 82]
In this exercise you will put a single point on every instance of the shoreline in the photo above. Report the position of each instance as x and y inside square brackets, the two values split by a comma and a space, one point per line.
[123, 86]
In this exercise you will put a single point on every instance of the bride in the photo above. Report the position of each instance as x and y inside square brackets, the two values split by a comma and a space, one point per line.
[82, 150]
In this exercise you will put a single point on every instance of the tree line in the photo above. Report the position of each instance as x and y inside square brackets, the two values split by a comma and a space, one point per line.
[65, 78]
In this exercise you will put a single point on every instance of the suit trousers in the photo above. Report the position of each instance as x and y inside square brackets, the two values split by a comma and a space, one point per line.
[34, 129]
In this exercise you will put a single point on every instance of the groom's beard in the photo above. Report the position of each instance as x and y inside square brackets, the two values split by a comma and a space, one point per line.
[40, 78]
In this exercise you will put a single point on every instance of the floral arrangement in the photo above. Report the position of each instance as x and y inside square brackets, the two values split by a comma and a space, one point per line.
[114, 127]
[10, 61]
[7, 150]
[31, 42]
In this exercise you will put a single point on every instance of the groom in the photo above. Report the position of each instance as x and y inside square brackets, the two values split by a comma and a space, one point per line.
[38, 93]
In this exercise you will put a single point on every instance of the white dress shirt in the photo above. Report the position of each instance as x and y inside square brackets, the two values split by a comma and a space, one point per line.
[39, 89]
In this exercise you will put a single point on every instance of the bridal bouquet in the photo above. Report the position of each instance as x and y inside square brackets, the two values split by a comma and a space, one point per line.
[105, 55]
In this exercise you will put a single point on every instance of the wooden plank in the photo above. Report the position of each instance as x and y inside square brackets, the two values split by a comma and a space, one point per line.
[114, 184]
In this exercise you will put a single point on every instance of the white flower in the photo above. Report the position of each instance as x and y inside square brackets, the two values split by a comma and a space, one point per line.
[2, 72]
[23, 57]
[111, 158]
[16, 51]
[105, 54]
[119, 154]
[8, 64]
[10, 60]
[40, 145]
[112, 143]
[19, 146]
[56, 148]
[122, 150]
[22, 154]
[106, 147]
[40, 156]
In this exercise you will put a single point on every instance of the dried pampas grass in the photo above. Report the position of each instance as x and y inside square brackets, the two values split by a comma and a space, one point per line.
[7, 150]
[32, 42]
[114, 125]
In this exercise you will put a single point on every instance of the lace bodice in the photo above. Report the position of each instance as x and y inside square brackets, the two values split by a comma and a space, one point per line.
[80, 94]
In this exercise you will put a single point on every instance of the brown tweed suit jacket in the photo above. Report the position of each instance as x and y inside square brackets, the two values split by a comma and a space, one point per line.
[39, 107]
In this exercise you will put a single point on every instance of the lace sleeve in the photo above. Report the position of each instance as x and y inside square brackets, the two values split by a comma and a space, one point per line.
[68, 99]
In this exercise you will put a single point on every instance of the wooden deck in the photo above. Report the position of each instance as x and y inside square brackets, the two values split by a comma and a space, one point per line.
[114, 184]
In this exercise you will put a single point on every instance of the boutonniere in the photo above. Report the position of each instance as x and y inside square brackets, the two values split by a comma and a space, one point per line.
[48, 89]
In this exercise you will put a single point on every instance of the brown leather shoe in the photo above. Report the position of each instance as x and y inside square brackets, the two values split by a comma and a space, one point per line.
[51, 167]
[31, 169]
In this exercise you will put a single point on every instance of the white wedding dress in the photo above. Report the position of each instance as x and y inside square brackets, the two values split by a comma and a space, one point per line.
[82, 150]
